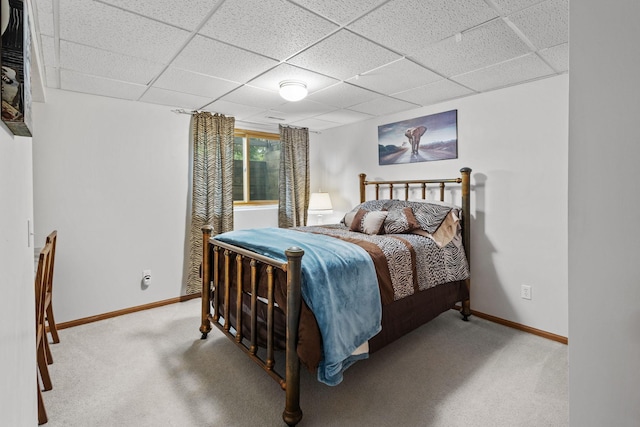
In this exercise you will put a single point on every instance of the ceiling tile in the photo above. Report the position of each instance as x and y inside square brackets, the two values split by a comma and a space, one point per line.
[314, 123]
[272, 78]
[274, 117]
[481, 46]
[546, 24]
[276, 28]
[434, 93]
[395, 77]
[408, 25]
[343, 95]
[119, 47]
[258, 97]
[217, 59]
[382, 106]
[239, 111]
[45, 17]
[109, 28]
[169, 11]
[340, 11]
[557, 57]
[88, 60]
[519, 70]
[174, 99]
[77, 82]
[508, 7]
[180, 80]
[305, 108]
[344, 116]
[344, 55]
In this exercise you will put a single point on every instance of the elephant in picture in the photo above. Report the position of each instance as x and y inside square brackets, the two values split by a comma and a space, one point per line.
[414, 135]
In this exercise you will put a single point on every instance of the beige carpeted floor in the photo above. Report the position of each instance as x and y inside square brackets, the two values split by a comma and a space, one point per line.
[151, 369]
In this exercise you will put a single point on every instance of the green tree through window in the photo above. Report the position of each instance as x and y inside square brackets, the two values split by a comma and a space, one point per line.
[256, 167]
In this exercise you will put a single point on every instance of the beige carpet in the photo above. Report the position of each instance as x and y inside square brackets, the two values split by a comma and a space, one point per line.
[151, 369]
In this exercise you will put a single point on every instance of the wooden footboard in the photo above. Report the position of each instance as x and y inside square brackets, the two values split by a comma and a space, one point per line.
[216, 287]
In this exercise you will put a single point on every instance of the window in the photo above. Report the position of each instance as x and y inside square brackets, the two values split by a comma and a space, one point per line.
[256, 163]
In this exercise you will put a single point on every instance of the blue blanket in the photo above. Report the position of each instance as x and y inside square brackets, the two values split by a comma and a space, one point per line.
[339, 285]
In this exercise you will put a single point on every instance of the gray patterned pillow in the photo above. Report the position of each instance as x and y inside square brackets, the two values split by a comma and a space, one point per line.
[428, 215]
[368, 206]
[400, 221]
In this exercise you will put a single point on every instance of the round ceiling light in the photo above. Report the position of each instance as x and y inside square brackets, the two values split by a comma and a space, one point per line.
[293, 90]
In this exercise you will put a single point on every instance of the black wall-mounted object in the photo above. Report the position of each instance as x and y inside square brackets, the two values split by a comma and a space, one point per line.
[15, 58]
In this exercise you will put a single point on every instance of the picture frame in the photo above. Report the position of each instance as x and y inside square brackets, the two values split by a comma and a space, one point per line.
[421, 139]
[15, 60]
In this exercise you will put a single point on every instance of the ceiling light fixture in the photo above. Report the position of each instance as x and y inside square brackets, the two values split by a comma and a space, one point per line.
[293, 90]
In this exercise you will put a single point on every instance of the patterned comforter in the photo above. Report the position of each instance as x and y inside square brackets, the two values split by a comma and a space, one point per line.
[405, 263]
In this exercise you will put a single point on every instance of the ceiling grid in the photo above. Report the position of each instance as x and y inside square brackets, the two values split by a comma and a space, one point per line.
[359, 58]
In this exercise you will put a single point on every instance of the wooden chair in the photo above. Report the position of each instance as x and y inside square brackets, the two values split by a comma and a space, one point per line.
[51, 322]
[41, 337]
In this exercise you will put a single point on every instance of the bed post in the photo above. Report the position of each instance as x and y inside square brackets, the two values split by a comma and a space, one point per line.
[205, 326]
[363, 177]
[292, 413]
[466, 233]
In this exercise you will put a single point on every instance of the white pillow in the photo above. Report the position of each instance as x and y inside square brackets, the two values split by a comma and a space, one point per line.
[369, 222]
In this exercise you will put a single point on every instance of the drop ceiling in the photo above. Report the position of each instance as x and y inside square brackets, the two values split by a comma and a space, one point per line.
[359, 58]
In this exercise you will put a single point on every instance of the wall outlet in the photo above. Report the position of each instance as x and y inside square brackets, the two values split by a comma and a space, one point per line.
[146, 277]
[525, 291]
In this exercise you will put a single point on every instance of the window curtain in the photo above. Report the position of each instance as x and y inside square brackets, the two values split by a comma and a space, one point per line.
[294, 177]
[212, 188]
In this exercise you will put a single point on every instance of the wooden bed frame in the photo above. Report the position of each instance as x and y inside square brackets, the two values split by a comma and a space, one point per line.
[219, 256]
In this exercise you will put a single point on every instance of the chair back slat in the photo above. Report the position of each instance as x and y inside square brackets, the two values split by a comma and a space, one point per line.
[42, 276]
[52, 240]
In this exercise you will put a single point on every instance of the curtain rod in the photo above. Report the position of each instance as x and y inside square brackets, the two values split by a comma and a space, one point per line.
[192, 112]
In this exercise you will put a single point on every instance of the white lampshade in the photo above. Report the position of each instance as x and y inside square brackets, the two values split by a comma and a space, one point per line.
[293, 90]
[320, 204]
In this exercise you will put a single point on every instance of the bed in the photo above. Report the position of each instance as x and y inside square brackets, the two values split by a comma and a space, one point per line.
[327, 296]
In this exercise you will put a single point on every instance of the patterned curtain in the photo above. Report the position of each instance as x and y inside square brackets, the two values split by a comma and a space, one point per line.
[212, 200]
[294, 177]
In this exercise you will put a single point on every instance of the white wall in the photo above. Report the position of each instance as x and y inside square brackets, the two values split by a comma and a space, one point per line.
[112, 177]
[17, 316]
[255, 217]
[515, 140]
[604, 232]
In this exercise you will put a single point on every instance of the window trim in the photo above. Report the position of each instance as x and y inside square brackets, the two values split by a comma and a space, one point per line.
[246, 134]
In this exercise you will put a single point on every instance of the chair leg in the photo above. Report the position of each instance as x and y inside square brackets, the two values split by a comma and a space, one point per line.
[42, 412]
[44, 369]
[47, 350]
[52, 324]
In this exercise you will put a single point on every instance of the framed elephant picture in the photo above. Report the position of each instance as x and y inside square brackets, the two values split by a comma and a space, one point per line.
[422, 139]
